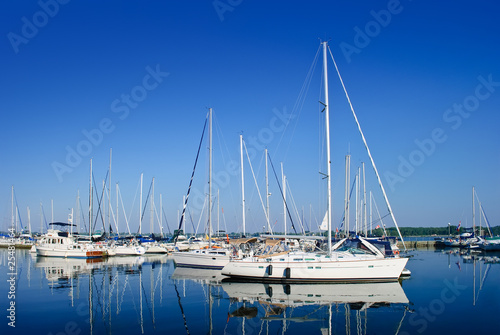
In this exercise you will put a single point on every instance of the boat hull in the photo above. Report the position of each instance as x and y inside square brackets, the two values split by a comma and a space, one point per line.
[204, 258]
[323, 270]
[68, 253]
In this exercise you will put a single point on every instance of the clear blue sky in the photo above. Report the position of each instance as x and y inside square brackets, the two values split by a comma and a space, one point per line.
[79, 78]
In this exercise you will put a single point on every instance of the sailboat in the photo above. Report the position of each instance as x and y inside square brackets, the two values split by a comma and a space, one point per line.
[349, 260]
[211, 257]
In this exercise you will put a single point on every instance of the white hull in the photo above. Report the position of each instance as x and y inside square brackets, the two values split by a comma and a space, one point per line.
[74, 252]
[303, 267]
[214, 258]
[156, 249]
[125, 250]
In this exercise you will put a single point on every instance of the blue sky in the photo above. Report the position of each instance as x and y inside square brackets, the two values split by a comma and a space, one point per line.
[79, 78]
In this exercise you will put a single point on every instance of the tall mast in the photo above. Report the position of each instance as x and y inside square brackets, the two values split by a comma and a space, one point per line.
[242, 184]
[140, 209]
[357, 202]
[371, 217]
[347, 189]
[161, 216]
[283, 181]
[267, 193]
[151, 220]
[473, 212]
[218, 211]
[210, 178]
[12, 208]
[117, 227]
[90, 202]
[78, 212]
[328, 160]
[364, 201]
[109, 190]
[29, 220]
[41, 218]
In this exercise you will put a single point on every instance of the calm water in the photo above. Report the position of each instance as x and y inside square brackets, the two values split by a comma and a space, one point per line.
[446, 294]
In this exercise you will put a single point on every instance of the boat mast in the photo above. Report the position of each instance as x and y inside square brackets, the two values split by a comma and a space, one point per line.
[210, 178]
[151, 220]
[283, 181]
[12, 208]
[29, 220]
[140, 209]
[109, 190]
[90, 202]
[364, 201]
[242, 184]
[267, 193]
[347, 186]
[328, 161]
[473, 212]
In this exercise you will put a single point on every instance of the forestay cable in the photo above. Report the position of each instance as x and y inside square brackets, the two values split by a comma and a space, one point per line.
[368, 151]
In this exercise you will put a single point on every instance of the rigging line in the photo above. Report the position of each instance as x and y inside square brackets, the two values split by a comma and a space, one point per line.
[481, 209]
[112, 215]
[158, 219]
[190, 182]
[368, 151]
[299, 102]
[348, 202]
[166, 221]
[295, 206]
[281, 191]
[45, 218]
[147, 197]
[201, 217]
[99, 201]
[257, 186]
[83, 215]
[123, 208]
[17, 210]
[192, 221]
[382, 222]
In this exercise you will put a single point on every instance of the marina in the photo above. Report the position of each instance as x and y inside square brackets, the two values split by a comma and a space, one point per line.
[229, 167]
[148, 294]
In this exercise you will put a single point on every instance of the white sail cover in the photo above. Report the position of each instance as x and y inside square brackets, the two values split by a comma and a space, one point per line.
[324, 223]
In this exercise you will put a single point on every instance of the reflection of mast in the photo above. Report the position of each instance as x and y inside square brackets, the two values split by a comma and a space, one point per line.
[91, 315]
[180, 306]
[140, 294]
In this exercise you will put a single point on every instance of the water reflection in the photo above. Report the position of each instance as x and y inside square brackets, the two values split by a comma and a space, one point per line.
[147, 294]
[321, 304]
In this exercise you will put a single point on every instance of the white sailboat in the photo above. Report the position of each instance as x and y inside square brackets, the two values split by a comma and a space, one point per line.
[211, 257]
[346, 261]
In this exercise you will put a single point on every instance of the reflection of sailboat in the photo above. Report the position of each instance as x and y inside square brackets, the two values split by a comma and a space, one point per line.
[314, 303]
[202, 275]
[368, 294]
